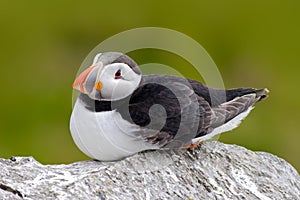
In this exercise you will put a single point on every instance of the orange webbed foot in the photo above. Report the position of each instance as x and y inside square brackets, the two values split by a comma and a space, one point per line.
[191, 146]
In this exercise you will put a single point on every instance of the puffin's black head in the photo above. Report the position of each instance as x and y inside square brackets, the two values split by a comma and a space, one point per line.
[112, 76]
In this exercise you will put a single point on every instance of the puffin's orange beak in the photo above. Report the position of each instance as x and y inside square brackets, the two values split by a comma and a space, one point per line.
[81, 79]
[80, 82]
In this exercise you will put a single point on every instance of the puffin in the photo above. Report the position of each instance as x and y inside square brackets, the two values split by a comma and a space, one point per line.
[120, 112]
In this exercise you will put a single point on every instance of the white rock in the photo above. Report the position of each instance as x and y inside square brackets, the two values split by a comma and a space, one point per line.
[215, 171]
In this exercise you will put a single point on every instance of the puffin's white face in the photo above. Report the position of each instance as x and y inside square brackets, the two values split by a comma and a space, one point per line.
[108, 82]
[117, 81]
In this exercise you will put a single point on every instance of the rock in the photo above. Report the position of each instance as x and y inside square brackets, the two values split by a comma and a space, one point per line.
[214, 171]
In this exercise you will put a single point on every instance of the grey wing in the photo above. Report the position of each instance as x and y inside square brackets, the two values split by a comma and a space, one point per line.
[227, 111]
[228, 115]
[173, 110]
[240, 104]
[168, 111]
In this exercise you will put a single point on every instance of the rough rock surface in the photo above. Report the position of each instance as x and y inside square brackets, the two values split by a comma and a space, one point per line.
[215, 171]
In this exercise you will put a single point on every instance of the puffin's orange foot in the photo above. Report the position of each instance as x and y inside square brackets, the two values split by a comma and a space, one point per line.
[191, 146]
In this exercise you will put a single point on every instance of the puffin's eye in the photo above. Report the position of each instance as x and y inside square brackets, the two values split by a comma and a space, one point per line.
[118, 74]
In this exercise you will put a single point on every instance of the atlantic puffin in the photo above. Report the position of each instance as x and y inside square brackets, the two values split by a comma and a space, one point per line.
[120, 112]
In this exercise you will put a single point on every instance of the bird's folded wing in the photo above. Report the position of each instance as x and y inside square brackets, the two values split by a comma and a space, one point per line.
[165, 109]
[229, 110]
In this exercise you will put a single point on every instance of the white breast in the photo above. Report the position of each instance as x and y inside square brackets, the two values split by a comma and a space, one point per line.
[106, 135]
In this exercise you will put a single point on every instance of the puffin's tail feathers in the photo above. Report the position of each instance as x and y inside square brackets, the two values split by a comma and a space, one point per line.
[261, 94]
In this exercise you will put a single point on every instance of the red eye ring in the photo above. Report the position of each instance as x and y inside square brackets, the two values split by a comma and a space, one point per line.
[118, 74]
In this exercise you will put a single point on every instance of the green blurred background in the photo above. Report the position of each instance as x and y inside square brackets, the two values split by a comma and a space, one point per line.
[254, 44]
